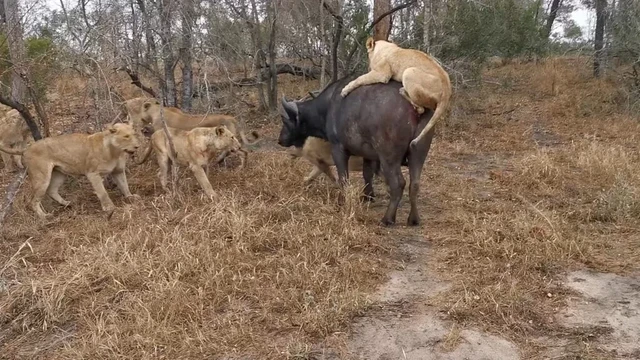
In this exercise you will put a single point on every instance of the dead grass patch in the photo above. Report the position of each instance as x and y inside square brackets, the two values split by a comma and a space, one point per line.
[264, 270]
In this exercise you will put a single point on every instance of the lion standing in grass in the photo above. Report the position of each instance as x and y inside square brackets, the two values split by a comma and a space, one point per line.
[48, 161]
[14, 133]
[195, 148]
[425, 84]
[175, 118]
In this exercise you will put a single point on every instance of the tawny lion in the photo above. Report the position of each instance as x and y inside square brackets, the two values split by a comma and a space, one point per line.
[14, 133]
[424, 82]
[195, 148]
[175, 118]
[48, 161]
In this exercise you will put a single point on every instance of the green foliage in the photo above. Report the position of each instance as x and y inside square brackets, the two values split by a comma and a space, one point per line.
[499, 27]
[41, 61]
[43, 64]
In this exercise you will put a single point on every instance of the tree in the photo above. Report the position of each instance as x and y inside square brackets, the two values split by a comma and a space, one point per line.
[598, 41]
[17, 51]
[382, 29]
[188, 17]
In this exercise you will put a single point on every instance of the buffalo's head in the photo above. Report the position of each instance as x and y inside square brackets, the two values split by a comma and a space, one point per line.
[292, 132]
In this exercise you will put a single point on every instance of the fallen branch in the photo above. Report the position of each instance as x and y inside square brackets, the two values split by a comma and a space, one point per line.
[135, 80]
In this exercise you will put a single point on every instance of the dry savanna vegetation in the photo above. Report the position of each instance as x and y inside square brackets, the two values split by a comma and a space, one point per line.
[531, 177]
[522, 185]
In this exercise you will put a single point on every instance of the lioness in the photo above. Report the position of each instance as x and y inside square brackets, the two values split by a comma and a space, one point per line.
[48, 161]
[424, 82]
[133, 109]
[14, 133]
[195, 148]
[318, 152]
[175, 118]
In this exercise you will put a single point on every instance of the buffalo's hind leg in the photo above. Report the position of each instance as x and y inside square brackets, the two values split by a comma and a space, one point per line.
[368, 169]
[417, 159]
[395, 180]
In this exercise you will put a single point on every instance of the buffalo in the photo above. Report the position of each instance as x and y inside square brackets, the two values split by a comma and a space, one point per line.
[374, 122]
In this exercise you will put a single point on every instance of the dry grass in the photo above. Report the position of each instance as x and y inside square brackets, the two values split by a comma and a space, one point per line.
[535, 174]
[267, 268]
[506, 240]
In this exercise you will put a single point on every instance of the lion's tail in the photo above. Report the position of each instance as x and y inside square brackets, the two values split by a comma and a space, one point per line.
[243, 136]
[441, 108]
[146, 153]
[11, 151]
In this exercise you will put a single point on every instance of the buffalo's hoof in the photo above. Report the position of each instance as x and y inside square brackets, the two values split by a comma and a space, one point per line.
[413, 221]
[387, 222]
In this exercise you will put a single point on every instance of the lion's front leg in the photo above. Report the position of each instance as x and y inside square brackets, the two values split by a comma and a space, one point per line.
[98, 186]
[200, 175]
[372, 77]
[120, 178]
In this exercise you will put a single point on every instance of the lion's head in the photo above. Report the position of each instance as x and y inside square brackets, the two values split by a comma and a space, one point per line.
[150, 111]
[123, 136]
[220, 138]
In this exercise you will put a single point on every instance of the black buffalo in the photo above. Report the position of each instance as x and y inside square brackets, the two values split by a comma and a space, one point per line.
[373, 121]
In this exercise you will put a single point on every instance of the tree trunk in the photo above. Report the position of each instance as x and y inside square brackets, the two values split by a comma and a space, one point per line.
[382, 29]
[151, 44]
[272, 16]
[426, 25]
[323, 60]
[188, 15]
[136, 37]
[260, 62]
[16, 50]
[555, 4]
[167, 54]
[601, 6]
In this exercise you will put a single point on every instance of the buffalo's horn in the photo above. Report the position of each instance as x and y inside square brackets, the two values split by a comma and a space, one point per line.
[290, 106]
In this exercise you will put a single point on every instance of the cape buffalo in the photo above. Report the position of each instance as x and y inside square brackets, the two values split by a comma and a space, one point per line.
[373, 121]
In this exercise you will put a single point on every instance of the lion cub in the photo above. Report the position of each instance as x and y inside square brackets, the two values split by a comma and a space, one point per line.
[14, 133]
[48, 161]
[195, 148]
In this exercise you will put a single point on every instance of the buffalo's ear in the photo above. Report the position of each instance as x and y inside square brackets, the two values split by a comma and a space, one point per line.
[370, 43]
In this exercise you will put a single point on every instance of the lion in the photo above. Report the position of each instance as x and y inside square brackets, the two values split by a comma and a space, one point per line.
[133, 109]
[425, 84]
[318, 152]
[48, 161]
[175, 118]
[14, 133]
[195, 148]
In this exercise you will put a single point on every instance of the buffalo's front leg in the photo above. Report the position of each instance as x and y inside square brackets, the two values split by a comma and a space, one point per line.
[368, 169]
[341, 159]
[395, 180]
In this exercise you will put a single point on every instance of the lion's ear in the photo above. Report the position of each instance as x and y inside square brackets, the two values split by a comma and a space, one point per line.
[219, 131]
[370, 43]
[146, 106]
[112, 129]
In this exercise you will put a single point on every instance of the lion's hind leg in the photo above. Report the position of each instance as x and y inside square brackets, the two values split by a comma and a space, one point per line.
[40, 179]
[57, 179]
[421, 89]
